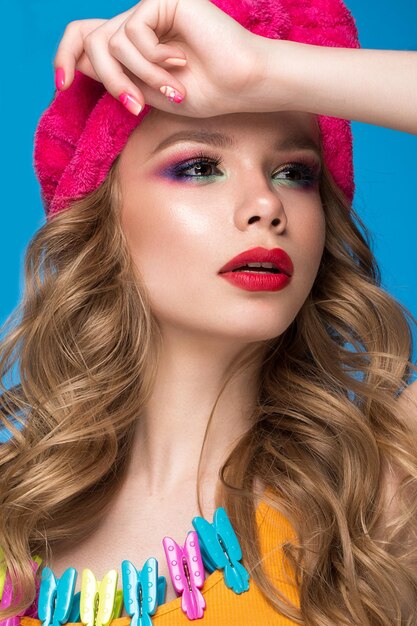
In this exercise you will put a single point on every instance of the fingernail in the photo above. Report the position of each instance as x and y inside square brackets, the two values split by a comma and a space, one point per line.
[59, 78]
[176, 61]
[171, 94]
[130, 103]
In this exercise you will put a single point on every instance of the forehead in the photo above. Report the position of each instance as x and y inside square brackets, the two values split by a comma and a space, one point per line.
[289, 128]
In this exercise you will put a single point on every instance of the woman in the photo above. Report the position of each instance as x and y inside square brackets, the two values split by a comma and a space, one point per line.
[152, 365]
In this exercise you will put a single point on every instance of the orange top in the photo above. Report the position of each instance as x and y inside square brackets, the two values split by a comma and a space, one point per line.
[223, 606]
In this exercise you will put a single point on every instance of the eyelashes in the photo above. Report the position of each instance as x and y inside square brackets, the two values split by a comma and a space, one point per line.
[178, 171]
[197, 160]
[307, 172]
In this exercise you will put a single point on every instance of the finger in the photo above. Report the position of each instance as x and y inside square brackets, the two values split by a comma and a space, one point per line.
[150, 73]
[84, 65]
[69, 55]
[141, 27]
[110, 67]
[110, 72]
[71, 48]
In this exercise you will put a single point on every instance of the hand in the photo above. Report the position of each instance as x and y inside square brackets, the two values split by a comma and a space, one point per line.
[127, 54]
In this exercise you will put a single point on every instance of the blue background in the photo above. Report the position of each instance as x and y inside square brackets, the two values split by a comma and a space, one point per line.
[385, 159]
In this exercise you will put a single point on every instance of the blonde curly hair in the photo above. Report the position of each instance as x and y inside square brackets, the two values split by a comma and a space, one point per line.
[327, 429]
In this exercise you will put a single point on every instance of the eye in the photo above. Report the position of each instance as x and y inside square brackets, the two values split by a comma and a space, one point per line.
[301, 174]
[202, 164]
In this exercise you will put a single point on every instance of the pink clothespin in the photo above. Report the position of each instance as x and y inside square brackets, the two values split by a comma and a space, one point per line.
[187, 573]
[7, 598]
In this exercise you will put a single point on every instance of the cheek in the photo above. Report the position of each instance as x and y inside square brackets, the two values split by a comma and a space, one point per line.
[310, 234]
[169, 240]
[166, 232]
[178, 248]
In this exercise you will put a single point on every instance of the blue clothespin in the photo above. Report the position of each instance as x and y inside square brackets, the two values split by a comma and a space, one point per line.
[143, 591]
[56, 597]
[220, 549]
[74, 616]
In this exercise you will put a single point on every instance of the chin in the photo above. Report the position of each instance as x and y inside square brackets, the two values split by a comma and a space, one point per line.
[255, 331]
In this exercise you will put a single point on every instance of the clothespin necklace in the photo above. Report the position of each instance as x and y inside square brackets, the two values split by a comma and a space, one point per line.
[100, 602]
[143, 591]
[187, 573]
[56, 597]
[97, 604]
[213, 545]
[221, 549]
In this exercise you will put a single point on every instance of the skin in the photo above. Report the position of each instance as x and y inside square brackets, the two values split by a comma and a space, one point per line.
[128, 55]
[180, 235]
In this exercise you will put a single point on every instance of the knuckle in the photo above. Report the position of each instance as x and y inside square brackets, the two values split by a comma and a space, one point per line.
[72, 26]
[152, 55]
[115, 43]
[113, 86]
[88, 41]
[130, 28]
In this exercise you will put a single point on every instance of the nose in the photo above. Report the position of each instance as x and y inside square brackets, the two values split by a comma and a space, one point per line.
[262, 205]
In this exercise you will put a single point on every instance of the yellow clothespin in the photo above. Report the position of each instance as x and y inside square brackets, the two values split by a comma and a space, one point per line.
[100, 602]
[118, 604]
[2, 573]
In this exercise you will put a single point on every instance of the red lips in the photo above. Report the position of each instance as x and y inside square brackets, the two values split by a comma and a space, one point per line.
[277, 256]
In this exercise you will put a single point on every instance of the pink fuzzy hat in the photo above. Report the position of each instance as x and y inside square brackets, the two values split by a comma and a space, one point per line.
[85, 128]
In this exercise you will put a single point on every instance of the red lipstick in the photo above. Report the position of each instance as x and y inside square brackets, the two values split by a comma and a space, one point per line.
[259, 269]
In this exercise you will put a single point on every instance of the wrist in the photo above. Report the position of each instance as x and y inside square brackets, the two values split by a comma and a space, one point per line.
[274, 76]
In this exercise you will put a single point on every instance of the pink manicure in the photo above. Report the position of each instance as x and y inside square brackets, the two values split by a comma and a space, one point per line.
[59, 78]
[130, 103]
[171, 94]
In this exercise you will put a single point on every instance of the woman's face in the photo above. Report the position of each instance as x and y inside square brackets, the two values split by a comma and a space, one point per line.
[248, 187]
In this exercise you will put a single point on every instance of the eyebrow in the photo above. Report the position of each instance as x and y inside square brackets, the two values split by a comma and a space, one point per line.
[220, 140]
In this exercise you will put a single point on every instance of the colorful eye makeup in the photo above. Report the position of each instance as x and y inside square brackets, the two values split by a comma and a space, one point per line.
[304, 173]
[201, 163]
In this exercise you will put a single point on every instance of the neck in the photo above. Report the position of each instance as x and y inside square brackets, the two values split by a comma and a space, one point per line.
[171, 430]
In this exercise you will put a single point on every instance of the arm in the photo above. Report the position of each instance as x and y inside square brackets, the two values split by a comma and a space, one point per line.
[373, 86]
[126, 53]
